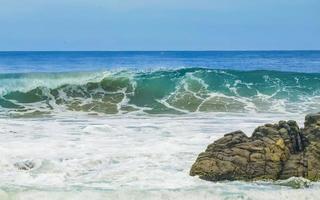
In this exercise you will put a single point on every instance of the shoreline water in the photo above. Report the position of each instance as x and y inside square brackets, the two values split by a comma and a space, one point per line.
[118, 157]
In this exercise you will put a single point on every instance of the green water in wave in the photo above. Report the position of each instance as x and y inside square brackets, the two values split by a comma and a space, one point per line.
[160, 92]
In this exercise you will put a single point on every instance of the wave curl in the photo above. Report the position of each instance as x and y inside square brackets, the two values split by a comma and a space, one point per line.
[160, 92]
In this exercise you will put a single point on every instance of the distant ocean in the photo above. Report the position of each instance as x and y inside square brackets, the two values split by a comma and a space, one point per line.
[128, 125]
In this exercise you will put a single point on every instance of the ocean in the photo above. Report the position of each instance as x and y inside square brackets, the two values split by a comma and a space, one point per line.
[129, 125]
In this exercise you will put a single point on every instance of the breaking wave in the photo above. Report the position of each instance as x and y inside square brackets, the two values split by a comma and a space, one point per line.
[159, 92]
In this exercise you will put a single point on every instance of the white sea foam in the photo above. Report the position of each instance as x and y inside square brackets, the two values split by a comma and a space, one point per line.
[124, 157]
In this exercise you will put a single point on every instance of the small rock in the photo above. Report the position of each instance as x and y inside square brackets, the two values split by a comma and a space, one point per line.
[312, 119]
[25, 165]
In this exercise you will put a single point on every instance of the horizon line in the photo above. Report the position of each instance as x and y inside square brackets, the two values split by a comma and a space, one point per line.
[262, 50]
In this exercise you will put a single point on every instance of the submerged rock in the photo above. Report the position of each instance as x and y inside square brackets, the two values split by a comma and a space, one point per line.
[25, 165]
[294, 182]
[274, 151]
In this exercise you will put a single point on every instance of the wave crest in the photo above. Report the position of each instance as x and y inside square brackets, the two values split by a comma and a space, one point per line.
[160, 92]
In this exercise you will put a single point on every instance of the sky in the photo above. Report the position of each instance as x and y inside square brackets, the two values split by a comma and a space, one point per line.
[75, 25]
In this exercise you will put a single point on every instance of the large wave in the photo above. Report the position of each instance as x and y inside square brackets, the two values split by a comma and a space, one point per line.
[159, 92]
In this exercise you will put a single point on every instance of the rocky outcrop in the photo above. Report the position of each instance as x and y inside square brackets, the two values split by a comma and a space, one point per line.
[274, 151]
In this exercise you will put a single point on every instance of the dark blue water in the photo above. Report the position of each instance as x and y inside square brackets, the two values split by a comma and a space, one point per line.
[297, 61]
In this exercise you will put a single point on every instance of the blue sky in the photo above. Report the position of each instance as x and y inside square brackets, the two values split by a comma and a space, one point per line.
[159, 24]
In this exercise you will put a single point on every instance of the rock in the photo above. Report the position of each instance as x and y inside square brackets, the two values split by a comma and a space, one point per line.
[274, 151]
[25, 165]
[312, 119]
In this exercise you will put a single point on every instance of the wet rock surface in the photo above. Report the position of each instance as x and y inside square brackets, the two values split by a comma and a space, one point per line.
[274, 151]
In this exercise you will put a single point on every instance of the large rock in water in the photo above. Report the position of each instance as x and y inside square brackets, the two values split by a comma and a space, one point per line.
[274, 151]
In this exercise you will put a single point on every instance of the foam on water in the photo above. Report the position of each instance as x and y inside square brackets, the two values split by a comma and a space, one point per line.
[124, 157]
